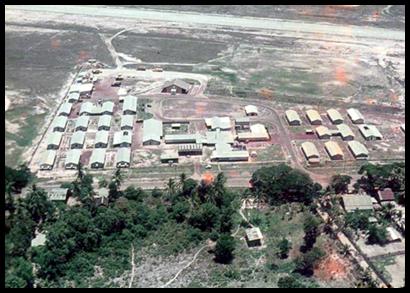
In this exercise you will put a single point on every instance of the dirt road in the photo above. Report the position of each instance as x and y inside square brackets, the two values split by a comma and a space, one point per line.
[206, 19]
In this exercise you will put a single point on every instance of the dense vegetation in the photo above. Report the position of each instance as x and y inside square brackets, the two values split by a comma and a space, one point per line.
[181, 216]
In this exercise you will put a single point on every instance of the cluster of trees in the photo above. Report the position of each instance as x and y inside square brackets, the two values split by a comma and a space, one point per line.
[281, 184]
[384, 176]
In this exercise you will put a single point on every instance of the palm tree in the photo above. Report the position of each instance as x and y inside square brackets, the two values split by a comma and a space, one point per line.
[246, 197]
[118, 178]
[181, 182]
[328, 226]
[345, 250]
[170, 187]
[80, 172]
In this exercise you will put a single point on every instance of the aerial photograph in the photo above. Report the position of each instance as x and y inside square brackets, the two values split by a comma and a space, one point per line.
[204, 146]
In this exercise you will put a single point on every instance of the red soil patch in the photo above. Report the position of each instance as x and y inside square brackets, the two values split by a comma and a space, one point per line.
[332, 267]
[233, 174]
[208, 177]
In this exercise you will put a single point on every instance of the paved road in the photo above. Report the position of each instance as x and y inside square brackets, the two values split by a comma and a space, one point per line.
[207, 19]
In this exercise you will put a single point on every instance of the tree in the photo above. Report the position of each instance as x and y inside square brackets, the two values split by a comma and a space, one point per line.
[205, 217]
[38, 205]
[133, 193]
[179, 211]
[181, 182]
[170, 188]
[284, 248]
[377, 235]
[80, 172]
[118, 178]
[340, 183]
[19, 178]
[224, 249]
[311, 228]
[306, 262]
[282, 184]
[289, 282]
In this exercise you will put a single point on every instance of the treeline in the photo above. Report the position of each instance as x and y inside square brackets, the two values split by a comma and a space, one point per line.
[182, 215]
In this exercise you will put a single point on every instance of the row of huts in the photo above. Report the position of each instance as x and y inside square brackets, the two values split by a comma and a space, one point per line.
[315, 118]
[358, 150]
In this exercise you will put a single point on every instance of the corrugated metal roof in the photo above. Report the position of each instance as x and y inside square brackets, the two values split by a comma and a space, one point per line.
[105, 120]
[334, 115]
[225, 151]
[75, 88]
[108, 106]
[48, 157]
[361, 202]
[323, 130]
[98, 156]
[87, 107]
[218, 122]
[86, 88]
[73, 157]
[333, 148]
[101, 137]
[122, 137]
[82, 121]
[55, 138]
[73, 96]
[178, 83]
[61, 122]
[313, 115]
[152, 130]
[130, 103]
[78, 137]
[354, 114]
[251, 109]
[170, 156]
[358, 148]
[310, 149]
[345, 130]
[65, 108]
[123, 155]
[370, 131]
[215, 137]
[176, 138]
[242, 120]
[259, 128]
[292, 115]
[127, 120]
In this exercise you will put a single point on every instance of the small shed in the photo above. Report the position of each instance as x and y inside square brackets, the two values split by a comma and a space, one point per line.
[358, 150]
[171, 157]
[385, 196]
[355, 116]
[334, 151]
[251, 110]
[104, 122]
[77, 140]
[323, 132]
[58, 194]
[65, 109]
[60, 124]
[127, 122]
[53, 142]
[101, 139]
[97, 159]
[123, 158]
[254, 237]
[314, 117]
[82, 123]
[335, 116]
[47, 160]
[292, 117]
[73, 158]
[177, 86]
